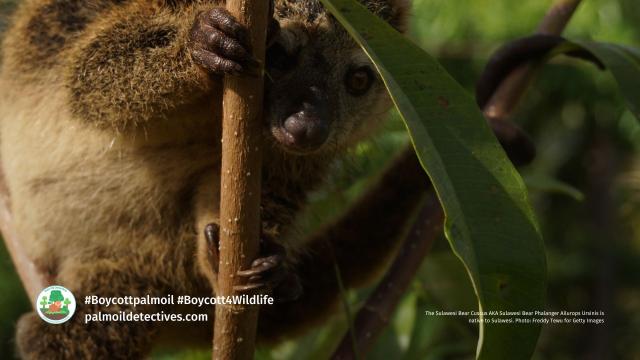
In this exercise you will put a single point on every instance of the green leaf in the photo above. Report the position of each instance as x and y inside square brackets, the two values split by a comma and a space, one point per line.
[489, 222]
[622, 61]
[546, 183]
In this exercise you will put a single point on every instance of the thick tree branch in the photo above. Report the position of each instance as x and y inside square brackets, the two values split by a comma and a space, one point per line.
[235, 325]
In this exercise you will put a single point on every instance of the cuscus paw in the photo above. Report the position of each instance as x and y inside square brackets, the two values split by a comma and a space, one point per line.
[270, 274]
[220, 44]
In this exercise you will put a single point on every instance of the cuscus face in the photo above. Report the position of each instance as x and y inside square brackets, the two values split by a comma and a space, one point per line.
[322, 91]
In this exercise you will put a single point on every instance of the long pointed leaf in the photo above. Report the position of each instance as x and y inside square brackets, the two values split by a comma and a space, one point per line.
[624, 64]
[489, 222]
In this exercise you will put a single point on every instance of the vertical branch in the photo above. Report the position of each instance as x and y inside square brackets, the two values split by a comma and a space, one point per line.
[235, 325]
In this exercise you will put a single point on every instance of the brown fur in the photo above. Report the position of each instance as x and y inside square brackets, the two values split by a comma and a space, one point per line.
[110, 147]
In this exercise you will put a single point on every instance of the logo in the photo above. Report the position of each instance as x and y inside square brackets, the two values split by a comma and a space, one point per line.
[55, 304]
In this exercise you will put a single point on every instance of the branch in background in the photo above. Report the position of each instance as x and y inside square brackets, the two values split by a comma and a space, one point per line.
[513, 87]
[603, 167]
[373, 317]
[235, 325]
[376, 313]
[558, 17]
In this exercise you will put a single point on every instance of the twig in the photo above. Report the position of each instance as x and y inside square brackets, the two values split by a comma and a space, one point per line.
[378, 309]
[235, 325]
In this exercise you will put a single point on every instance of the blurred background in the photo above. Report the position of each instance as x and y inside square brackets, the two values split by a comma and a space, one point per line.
[585, 186]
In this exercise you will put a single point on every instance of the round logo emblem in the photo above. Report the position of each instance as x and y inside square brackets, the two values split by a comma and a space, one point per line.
[55, 304]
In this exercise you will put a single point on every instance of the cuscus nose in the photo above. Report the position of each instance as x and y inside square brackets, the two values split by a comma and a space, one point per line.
[307, 130]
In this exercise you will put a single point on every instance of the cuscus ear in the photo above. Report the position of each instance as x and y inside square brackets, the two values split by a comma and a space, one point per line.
[396, 12]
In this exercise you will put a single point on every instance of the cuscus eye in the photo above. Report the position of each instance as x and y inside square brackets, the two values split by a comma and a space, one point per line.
[359, 80]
